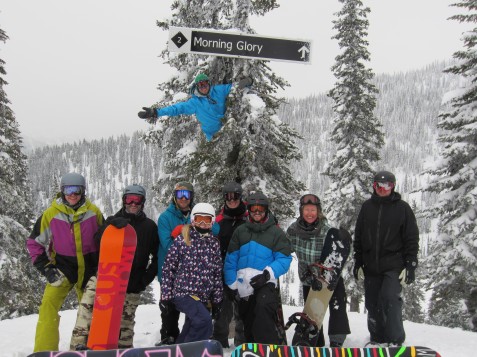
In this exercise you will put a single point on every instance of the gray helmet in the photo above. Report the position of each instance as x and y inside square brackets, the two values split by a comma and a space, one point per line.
[385, 176]
[257, 198]
[72, 179]
[135, 189]
[233, 187]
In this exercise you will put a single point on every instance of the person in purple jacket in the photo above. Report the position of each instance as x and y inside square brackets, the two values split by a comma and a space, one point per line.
[192, 275]
[207, 102]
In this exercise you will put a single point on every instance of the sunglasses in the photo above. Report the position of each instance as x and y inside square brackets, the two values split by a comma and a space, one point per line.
[257, 209]
[383, 185]
[73, 190]
[232, 196]
[183, 194]
[133, 200]
[309, 199]
[203, 84]
[202, 220]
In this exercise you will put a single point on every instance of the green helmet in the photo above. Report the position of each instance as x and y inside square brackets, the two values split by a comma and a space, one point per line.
[201, 77]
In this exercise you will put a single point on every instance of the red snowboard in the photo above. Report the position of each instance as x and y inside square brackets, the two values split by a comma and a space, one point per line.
[115, 259]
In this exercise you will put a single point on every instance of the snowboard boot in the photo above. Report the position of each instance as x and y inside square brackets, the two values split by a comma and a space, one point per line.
[166, 341]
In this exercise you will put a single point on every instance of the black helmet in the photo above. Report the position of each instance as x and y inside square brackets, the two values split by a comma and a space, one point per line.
[232, 187]
[385, 176]
[257, 198]
[309, 199]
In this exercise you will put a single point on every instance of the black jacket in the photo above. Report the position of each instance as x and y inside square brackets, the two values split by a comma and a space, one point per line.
[228, 220]
[386, 234]
[144, 266]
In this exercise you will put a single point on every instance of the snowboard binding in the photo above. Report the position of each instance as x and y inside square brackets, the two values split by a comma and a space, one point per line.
[306, 330]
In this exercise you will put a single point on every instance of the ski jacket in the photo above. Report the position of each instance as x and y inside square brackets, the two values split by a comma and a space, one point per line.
[194, 270]
[386, 234]
[253, 248]
[65, 237]
[307, 241]
[209, 109]
[229, 219]
[167, 221]
[144, 266]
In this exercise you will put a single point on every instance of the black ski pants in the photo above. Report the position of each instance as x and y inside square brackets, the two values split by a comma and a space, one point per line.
[170, 325]
[382, 295]
[221, 325]
[338, 323]
[259, 315]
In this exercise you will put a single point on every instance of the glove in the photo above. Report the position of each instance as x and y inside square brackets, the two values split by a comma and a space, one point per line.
[245, 82]
[147, 113]
[119, 222]
[358, 272]
[176, 231]
[166, 306]
[316, 284]
[53, 275]
[408, 275]
[260, 280]
[216, 310]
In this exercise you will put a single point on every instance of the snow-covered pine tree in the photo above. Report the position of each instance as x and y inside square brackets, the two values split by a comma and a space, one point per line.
[254, 147]
[19, 293]
[453, 256]
[356, 131]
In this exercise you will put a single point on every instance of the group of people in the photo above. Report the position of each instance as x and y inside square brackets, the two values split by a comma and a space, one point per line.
[215, 268]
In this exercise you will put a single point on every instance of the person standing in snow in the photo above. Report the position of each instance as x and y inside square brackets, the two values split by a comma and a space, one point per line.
[63, 249]
[307, 236]
[143, 269]
[258, 254]
[386, 244]
[207, 102]
[192, 275]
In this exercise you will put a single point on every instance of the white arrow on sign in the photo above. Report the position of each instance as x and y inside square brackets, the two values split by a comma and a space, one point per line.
[304, 50]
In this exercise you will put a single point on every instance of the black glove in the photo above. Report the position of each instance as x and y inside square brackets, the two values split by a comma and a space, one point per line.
[316, 284]
[166, 306]
[53, 275]
[147, 113]
[245, 82]
[216, 310]
[260, 280]
[411, 266]
[119, 222]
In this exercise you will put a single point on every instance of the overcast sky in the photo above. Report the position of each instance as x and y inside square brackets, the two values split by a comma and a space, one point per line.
[83, 69]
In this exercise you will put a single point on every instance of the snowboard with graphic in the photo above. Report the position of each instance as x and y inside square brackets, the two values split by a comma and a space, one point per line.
[208, 348]
[116, 255]
[259, 350]
[334, 255]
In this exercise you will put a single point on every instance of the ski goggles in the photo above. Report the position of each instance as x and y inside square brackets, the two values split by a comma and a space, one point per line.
[309, 199]
[383, 185]
[133, 200]
[73, 190]
[186, 194]
[202, 220]
[232, 196]
[203, 84]
[257, 209]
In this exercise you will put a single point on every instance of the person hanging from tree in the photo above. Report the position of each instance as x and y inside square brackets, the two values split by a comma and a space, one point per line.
[207, 102]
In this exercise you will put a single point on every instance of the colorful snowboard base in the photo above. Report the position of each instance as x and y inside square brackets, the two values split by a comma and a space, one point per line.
[208, 348]
[116, 254]
[259, 350]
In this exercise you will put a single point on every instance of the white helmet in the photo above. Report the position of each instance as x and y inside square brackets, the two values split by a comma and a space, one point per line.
[203, 209]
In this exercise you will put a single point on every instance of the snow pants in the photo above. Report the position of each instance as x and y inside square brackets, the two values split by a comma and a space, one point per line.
[259, 315]
[338, 324]
[382, 295]
[170, 326]
[47, 337]
[221, 325]
[198, 322]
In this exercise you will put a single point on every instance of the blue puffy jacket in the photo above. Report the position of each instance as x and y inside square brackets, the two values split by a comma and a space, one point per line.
[209, 109]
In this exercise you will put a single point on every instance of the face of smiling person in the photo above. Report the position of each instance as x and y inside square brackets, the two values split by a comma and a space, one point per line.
[72, 199]
[310, 213]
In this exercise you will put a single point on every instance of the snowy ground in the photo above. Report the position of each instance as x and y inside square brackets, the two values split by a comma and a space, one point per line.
[17, 335]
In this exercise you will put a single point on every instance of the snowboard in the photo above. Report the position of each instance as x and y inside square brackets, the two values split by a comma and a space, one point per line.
[116, 255]
[259, 350]
[336, 250]
[208, 348]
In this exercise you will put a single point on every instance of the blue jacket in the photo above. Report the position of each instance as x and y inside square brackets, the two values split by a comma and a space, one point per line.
[168, 220]
[209, 110]
[253, 248]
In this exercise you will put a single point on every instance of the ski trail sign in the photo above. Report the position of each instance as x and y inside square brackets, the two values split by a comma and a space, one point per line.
[237, 44]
